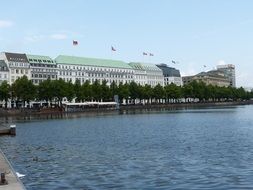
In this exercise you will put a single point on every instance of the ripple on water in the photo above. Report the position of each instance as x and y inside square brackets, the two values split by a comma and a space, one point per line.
[183, 149]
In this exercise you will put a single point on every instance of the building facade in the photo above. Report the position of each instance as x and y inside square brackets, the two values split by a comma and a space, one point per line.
[171, 75]
[147, 73]
[42, 68]
[4, 72]
[229, 72]
[18, 65]
[214, 77]
[72, 68]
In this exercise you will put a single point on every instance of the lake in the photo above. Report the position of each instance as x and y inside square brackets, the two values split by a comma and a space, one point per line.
[207, 148]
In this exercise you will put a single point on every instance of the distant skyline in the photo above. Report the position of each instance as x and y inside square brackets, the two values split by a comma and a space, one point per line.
[193, 33]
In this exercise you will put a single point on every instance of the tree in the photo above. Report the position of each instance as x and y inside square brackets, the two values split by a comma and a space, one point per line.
[59, 87]
[106, 93]
[5, 92]
[133, 90]
[24, 90]
[187, 91]
[96, 90]
[123, 92]
[173, 91]
[46, 91]
[87, 91]
[158, 92]
[78, 91]
[113, 89]
[70, 91]
[147, 92]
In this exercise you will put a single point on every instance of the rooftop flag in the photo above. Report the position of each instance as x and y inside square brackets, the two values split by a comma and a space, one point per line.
[113, 49]
[144, 53]
[75, 43]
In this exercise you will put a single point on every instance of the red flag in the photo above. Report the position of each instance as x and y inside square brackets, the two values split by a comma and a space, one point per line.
[113, 49]
[151, 54]
[144, 53]
[75, 43]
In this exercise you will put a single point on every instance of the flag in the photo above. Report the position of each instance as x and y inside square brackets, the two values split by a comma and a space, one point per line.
[151, 54]
[113, 49]
[75, 43]
[144, 53]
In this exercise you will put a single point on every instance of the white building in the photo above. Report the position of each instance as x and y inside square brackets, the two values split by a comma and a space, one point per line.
[72, 68]
[171, 75]
[42, 68]
[4, 72]
[229, 72]
[18, 65]
[147, 73]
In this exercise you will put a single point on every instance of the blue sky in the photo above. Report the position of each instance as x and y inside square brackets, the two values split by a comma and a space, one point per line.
[192, 32]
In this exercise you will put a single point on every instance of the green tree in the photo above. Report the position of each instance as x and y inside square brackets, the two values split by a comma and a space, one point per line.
[24, 90]
[106, 93]
[123, 92]
[158, 92]
[87, 91]
[147, 92]
[78, 91]
[134, 90]
[60, 92]
[46, 91]
[113, 89]
[96, 90]
[70, 91]
[187, 91]
[173, 92]
[5, 92]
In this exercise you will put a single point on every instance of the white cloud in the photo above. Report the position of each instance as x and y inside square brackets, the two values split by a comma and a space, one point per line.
[34, 38]
[189, 72]
[58, 36]
[5, 23]
[222, 62]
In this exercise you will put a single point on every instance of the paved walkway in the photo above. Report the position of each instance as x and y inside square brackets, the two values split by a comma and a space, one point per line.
[13, 182]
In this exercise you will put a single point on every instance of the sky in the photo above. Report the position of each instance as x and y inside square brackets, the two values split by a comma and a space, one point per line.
[193, 33]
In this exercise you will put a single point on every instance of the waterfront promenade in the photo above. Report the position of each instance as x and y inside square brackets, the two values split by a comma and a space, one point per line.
[46, 111]
[13, 182]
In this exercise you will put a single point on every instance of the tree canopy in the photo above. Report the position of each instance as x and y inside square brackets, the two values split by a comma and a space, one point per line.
[55, 90]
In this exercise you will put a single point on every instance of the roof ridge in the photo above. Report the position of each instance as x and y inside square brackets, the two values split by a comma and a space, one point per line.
[104, 59]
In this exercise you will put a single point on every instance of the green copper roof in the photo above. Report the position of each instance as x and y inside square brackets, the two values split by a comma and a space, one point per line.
[144, 66]
[73, 60]
[39, 59]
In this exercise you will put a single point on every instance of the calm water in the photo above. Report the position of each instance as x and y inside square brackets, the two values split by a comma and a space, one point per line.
[181, 149]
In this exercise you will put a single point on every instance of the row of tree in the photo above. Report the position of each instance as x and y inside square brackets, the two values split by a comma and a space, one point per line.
[24, 90]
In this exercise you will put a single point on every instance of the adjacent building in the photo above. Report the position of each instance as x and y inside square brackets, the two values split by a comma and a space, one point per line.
[229, 72]
[213, 77]
[147, 73]
[42, 68]
[72, 68]
[17, 64]
[4, 72]
[171, 75]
